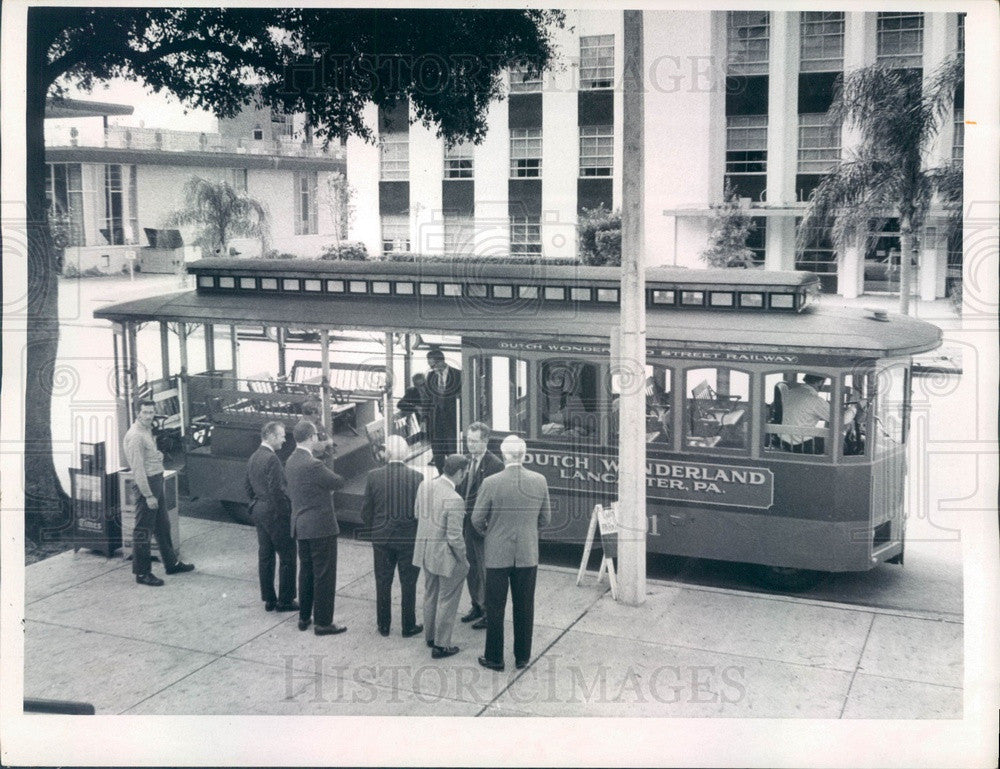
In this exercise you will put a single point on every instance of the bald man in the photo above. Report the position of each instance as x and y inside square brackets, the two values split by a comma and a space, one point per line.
[390, 493]
[511, 507]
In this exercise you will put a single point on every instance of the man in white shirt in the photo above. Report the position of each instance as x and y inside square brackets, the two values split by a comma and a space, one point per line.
[146, 463]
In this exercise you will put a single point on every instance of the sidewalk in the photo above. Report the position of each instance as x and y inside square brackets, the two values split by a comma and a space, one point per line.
[203, 644]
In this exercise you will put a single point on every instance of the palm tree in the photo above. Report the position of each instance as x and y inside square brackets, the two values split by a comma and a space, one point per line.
[897, 117]
[221, 213]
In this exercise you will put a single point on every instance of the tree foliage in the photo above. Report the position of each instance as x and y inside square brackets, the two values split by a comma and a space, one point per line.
[220, 213]
[896, 116]
[328, 63]
[600, 236]
[730, 227]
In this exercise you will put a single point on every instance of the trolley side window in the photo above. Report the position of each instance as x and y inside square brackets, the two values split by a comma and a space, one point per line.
[857, 390]
[568, 400]
[501, 393]
[797, 410]
[659, 407]
[717, 408]
[891, 402]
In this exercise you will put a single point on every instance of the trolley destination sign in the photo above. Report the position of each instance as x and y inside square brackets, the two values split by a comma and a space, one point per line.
[666, 480]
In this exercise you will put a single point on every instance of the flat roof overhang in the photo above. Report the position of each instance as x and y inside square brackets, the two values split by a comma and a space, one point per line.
[835, 332]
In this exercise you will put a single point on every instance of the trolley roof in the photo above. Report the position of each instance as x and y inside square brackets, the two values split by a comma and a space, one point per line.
[820, 330]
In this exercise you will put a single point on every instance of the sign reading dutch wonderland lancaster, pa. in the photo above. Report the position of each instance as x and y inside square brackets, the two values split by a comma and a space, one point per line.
[666, 479]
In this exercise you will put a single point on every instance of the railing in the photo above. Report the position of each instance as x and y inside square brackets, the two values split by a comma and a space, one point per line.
[163, 140]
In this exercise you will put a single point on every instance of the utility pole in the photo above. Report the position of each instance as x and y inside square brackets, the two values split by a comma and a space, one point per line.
[632, 330]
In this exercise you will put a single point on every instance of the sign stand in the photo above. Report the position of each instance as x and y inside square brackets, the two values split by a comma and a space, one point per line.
[605, 520]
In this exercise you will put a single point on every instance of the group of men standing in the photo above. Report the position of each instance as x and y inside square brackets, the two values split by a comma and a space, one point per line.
[476, 523]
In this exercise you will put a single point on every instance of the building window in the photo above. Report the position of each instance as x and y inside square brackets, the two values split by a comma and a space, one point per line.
[281, 126]
[746, 144]
[819, 144]
[458, 161]
[64, 195]
[797, 412]
[395, 234]
[817, 255]
[748, 34]
[961, 33]
[119, 215]
[522, 80]
[525, 153]
[525, 236]
[822, 36]
[459, 235]
[958, 139]
[900, 39]
[258, 133]
[240, 180]
[395, 158]
[305, 202]
[568, 403]
[597, 61]
[596, 150]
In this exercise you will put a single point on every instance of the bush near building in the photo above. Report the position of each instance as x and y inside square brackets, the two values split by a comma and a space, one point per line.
[600, 236]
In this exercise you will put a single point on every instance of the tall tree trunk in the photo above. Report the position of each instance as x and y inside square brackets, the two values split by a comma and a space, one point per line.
[45, 502]
[905, 256]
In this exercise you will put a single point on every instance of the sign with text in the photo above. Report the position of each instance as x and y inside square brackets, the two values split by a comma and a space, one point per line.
[666, 479]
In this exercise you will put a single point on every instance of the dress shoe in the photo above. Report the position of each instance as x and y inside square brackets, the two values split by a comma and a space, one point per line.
[479, 624]
[329, 629]
[430, 643]
[474, 613]
[269, 605]
[415, 630]
[443, 651]
[497, 666]
[179, 568]
[304, 624]
[521, 664]
[383, 631]
[148, 579]
[293, 606]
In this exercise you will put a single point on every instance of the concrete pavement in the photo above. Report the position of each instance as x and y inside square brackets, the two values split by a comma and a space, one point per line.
[203, 644]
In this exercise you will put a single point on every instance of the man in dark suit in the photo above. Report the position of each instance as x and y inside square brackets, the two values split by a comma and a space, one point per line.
[444, 384]
[440, 551]
[482, 464]
[314, 525]
[510, 509]
[387, 512]
[271, 512]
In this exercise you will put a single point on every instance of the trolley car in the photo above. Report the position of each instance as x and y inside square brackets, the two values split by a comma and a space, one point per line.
[776, 429]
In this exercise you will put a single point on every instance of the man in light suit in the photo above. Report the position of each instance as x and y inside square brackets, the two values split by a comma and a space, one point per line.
[510, 509]
[271, 512]
[444, 384]
[482, 464]
[440, 551]
[315, 527]
[387, 512]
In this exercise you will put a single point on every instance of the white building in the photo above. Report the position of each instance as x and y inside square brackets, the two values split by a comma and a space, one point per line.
[737, 95]
[117, 184]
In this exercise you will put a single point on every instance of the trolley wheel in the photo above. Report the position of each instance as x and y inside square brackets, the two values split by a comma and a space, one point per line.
[784, 578]
[238, 512]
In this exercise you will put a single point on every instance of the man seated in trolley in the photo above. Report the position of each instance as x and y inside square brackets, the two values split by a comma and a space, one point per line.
[775, 428]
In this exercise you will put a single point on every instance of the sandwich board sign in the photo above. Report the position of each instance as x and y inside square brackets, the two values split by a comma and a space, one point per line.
[603, 521]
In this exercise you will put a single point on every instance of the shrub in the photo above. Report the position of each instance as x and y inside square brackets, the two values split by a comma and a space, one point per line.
[273, 253]
[600, 234]
[727, 240]
[347, 251]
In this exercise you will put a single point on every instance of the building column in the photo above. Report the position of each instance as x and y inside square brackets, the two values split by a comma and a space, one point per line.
[859, 51]
[779, 243]
[933, 263]
[851, 272]
[560, 153]
[363, 176]
[490, 170]
[782, 138]
[426, 175]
